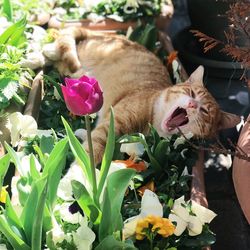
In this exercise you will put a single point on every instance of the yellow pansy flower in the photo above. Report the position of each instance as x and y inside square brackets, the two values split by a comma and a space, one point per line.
[162, 226]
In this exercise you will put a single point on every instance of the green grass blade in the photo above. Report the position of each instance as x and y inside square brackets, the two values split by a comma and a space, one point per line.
[108, 154]
[79, 152]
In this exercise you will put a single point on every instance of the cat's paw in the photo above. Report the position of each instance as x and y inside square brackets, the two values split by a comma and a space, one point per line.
[51, 52]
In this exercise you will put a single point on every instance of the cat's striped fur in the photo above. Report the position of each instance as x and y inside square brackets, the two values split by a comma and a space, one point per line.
[137, 85]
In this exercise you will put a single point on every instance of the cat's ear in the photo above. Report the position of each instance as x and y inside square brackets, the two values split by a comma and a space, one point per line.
[197, 76]
[228, 120]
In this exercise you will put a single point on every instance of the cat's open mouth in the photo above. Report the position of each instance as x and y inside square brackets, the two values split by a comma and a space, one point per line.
[177, 119]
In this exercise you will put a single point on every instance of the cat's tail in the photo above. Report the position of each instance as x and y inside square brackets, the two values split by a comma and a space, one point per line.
[64, 49]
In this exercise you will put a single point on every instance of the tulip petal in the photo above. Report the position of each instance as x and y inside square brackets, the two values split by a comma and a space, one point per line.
[69, 82]
[194, 226]
[204, 214]
[74, 102]
[181, 224]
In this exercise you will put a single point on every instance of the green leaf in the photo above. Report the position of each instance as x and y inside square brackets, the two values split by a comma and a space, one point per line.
[15, 159]
[33, 170]
[38, 219]
[15, 241]
[54, 167]
[117, 183]
[13, 35]
[13, 220]
[4, 165]
[29, 211]
[7, 9]
[108, 154]
[160, 151]
[140, 138]
[111, 243]
[86, 202]
[80, 154]
[47, 144]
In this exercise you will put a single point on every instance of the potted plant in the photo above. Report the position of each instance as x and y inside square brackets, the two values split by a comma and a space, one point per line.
[113, 15]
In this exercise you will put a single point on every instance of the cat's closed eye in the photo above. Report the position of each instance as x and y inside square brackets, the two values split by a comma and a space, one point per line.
[203, 110]
[192, 93]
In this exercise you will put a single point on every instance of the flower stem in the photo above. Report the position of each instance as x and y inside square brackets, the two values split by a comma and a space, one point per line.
[91, 154]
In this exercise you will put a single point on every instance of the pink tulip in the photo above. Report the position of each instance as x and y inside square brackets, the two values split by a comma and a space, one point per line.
[82, 96]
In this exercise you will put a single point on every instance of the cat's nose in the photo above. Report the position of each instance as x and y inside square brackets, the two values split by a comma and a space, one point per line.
[192, 104]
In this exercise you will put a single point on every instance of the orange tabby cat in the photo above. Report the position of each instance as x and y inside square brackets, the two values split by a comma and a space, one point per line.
[137, 85]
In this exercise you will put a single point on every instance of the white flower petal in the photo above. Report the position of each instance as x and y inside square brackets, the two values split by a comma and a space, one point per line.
[181, 224]
[3, 247]
[150, 205]
[194, 226]
[84, 236]
[67, 216]
[130, 226]
[204, 214]
[135, 148]
[180, 210]
[29, 126]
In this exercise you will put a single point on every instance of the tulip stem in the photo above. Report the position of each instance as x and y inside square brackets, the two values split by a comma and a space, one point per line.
[91, 153]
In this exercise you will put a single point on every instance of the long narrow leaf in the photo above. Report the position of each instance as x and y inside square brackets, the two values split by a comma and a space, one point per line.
[36, 241]
[15, 159]
[7, 9]
[29, 211]
[117, 183]
[54, 167]
[78, 151]
[15, 241]
[33, 170]
[86, 202]
[13, 219]
[13, 31]
[108, 154]
[4, 165]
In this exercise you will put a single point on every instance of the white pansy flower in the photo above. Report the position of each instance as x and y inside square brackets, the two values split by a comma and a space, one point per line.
[194, 223]
[21, 126]
[150, 205]
[93, 17]
[65, 191]
[66, 215]
[44, 132]
[135, 148]
[89, 4]
[181, 140]
[84, 236]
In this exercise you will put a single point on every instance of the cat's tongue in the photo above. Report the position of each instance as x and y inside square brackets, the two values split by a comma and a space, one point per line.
[178, 118]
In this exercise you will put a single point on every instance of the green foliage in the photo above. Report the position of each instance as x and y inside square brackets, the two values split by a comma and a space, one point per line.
[13, 77]
[7, 9]
[110, 242]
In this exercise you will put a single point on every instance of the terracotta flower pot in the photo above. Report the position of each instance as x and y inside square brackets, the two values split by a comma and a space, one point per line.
[241, 171]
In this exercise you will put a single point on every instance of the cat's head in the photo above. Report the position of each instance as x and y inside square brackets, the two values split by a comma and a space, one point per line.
[191, 108]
